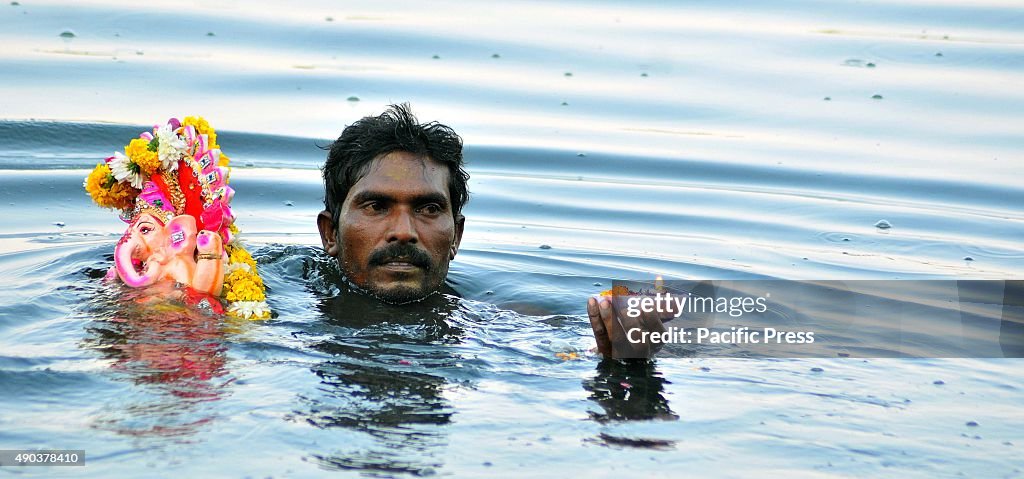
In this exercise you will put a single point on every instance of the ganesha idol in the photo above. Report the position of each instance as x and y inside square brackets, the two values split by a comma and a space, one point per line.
[171, 186]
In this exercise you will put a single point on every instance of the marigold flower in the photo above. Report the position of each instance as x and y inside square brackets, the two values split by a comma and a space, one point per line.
[140, 154]
[616, 291]
[203, 128]
[106, 191]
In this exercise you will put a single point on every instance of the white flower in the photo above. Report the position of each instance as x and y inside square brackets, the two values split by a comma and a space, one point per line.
[235, 266]
[120, 167]
[249, 309]
[171, 147]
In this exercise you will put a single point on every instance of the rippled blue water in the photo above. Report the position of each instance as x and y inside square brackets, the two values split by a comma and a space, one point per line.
[688, 139]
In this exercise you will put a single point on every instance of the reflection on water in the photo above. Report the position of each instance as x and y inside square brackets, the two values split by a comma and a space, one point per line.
[370, 385]
[629, 390]
[176, 355]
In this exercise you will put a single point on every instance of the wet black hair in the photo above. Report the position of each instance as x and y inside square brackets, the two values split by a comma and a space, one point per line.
[397, 129]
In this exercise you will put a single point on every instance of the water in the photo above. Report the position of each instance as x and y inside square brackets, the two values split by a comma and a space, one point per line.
[690, 140]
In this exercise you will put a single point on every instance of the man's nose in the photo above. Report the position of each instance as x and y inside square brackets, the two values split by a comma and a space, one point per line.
[403, 227]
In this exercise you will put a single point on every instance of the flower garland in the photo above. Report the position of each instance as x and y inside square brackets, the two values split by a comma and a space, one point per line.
[243, 288]
[127, 181]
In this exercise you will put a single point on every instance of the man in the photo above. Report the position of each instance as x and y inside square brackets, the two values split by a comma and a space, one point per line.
[392, 214]
[392, 209]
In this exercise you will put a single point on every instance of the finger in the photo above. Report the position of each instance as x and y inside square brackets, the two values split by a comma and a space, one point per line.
[592, 309]
[604, 345]
[607, 317]
[616, 330]
[652, 322]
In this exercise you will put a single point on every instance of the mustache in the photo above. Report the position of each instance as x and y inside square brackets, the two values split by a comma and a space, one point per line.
[406, 251]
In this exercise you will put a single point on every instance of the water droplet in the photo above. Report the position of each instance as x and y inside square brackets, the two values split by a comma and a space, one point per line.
[817, 370]
[876, 97]
[938, 382]
[883, 225]
[972, 424]
[968, 258]
[436, 57]
[568, 74]
[210, 34]
[353, 98]
[544, 246]
[495, 56]
[289, 203]
[68, 34]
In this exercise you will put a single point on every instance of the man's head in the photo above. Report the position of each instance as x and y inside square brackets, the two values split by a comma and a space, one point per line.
[392, 209]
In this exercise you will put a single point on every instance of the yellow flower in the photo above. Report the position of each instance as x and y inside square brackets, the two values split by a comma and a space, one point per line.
[107, 191]
[138, 151]
[243, 287]
[224, 161]
[203, 128]
[616, 291]
[240, 255]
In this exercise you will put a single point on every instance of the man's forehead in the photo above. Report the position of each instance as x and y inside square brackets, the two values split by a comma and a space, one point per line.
[401, 172]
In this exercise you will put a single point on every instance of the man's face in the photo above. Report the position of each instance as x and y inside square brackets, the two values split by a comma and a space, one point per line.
[396, 232]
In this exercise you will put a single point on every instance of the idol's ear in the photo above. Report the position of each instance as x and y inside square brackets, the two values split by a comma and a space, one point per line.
[460, 226]
[181, 235]
[328, 233]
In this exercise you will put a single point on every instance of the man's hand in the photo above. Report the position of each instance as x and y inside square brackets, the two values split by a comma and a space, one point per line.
[613, 329]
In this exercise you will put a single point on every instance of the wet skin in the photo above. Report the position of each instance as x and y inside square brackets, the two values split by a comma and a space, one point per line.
[397, 231]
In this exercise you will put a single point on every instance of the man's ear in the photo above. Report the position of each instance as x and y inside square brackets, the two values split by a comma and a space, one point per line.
[328, 232]
[460, 226]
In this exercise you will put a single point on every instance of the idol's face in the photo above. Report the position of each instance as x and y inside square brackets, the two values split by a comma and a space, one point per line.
[396, 231]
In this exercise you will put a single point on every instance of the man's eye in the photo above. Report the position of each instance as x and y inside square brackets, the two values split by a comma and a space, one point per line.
[374, 207]
[431, 209]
